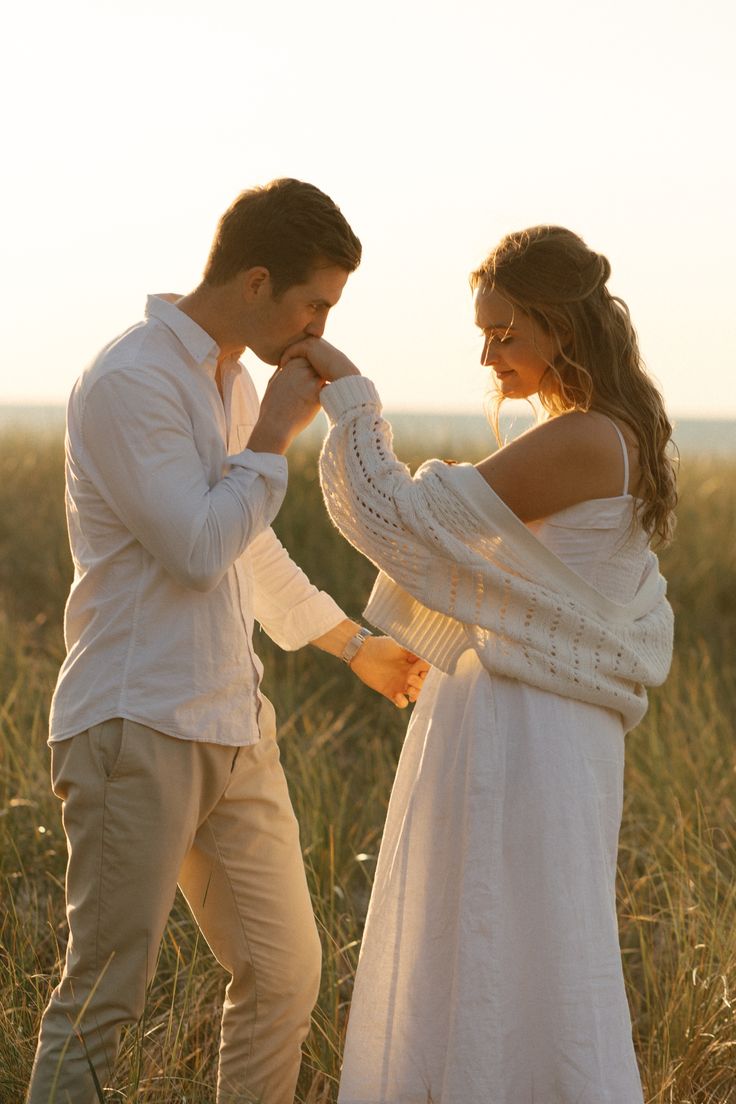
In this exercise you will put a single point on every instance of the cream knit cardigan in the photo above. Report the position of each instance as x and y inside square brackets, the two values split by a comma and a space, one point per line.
[459, 570]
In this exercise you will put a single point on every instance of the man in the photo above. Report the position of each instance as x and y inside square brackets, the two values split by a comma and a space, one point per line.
[163, 747]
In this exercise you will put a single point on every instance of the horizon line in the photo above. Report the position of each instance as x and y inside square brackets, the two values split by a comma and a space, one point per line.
[414, 411]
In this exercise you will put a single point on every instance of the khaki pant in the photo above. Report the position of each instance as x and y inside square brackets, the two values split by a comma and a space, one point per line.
[143, 811]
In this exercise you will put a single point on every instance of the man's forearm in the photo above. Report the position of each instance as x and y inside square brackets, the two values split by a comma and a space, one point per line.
[267, 437]
[335, 640]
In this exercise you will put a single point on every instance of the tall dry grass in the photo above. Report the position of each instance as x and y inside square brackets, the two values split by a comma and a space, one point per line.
[677, 886]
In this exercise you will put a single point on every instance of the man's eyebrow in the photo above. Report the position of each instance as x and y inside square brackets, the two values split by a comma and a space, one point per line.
[507, 327]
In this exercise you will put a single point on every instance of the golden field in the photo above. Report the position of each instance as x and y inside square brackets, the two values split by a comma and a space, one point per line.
[340, 743]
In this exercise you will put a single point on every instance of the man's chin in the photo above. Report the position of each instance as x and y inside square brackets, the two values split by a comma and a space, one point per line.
[273, 356]
[267, 356]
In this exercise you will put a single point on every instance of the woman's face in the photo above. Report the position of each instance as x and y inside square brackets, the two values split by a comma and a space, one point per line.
[517, 349]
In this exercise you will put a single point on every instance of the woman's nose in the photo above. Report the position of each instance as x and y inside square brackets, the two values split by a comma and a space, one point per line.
[489, 355]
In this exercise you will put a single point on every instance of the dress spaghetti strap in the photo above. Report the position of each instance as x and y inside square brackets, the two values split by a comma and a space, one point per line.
[625, 452]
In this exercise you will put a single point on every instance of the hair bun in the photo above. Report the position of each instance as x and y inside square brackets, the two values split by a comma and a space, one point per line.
[604, 269]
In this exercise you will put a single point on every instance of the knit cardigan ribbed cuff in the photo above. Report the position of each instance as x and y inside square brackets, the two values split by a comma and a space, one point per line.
[347, 393]
[439, 639]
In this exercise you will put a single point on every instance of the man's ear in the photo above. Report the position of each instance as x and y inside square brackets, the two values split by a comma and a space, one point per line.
[255, 282]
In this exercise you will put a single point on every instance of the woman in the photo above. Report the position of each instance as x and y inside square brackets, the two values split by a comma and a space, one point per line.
[490, 971]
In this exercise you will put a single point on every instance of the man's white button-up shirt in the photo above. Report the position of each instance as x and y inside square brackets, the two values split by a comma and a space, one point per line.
[169, 523]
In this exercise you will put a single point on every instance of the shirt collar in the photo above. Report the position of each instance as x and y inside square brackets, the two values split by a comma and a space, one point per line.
[197, 342]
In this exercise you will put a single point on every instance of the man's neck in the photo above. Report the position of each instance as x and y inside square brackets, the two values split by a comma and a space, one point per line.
[211, 309]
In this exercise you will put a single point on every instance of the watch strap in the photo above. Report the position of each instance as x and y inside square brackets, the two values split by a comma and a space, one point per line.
[354, 645]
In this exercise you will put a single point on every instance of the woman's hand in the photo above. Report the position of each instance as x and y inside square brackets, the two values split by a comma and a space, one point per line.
[289, 404]
[324, 358]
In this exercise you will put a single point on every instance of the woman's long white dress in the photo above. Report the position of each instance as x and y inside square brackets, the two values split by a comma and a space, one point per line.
[490, 970]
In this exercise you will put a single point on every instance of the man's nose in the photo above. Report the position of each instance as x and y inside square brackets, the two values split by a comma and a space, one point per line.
[316, 327]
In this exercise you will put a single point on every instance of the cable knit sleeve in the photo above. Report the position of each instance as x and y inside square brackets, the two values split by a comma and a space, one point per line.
[370, 495]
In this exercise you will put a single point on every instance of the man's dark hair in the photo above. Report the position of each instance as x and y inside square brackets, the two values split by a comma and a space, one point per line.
[287, 226]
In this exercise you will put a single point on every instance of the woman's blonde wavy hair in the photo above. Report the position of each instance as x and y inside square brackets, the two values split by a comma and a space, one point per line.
[552, 276]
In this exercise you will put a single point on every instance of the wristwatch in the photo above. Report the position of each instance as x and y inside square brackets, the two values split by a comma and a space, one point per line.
[354, 645]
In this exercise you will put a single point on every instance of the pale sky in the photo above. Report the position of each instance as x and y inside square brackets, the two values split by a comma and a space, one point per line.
[130, 126]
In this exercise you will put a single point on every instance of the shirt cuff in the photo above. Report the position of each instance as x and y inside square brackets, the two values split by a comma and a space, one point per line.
[270, 465]
[348, 393]
[313, 617]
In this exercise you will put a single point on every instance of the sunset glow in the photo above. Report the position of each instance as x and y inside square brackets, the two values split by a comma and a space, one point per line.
[436, 128]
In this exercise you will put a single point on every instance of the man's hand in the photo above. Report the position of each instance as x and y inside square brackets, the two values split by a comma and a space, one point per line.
[385, 666]
[380, 663]
[325, 359]
[289, 404]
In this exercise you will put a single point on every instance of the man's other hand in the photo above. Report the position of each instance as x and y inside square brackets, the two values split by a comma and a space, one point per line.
[389, 669]
[289, 404]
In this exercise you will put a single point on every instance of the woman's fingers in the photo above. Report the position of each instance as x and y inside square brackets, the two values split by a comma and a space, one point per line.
[324, 358]
[419, 667]
[414, 684]
[296, 362]
[298, 351]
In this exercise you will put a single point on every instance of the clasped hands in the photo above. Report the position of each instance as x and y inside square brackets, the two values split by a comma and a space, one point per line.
[389, 669]
[291, 399]
[380, 663]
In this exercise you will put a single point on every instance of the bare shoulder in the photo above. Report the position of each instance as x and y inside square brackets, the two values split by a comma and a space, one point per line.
[565, 460]
[567, 439]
